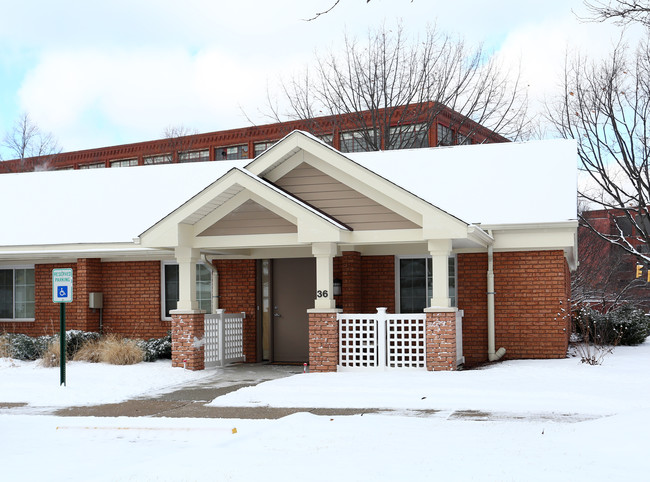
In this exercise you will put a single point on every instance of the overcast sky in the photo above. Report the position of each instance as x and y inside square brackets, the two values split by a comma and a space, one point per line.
[105, 73]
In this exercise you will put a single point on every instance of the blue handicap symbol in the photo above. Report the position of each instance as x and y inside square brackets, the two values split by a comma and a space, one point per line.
[62, 292]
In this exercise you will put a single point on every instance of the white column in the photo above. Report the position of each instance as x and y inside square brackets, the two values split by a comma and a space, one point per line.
[440, 251]
[187, 259]
[324, 254]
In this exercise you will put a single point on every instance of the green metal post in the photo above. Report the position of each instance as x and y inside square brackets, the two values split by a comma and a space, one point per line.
[62, 342]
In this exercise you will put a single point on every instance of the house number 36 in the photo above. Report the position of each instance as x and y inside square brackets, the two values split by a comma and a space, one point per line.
[322, 294]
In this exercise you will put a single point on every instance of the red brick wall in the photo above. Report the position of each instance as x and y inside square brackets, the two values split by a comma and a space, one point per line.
[323, 342]
[132, 299]
[237, 292]
[352, 282]
[532, 291]
[531, 296]
[472, 299]
[378, 286]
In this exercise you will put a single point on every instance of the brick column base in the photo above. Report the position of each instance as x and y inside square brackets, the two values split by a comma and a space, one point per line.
[323, 342]
[185, 328]
[441, 340]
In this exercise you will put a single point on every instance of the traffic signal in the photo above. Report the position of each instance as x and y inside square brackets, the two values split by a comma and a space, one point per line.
[639, 267]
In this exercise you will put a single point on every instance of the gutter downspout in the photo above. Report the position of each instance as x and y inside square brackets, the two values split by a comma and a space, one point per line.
[215, 282]
[492, 356]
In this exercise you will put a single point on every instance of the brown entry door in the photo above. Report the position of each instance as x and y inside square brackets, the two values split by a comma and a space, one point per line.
[294, 288]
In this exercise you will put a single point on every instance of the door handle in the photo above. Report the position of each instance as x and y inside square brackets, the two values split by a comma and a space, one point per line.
[277, 315]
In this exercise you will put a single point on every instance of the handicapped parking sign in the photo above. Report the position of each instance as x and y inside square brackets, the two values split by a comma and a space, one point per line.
[62, 285]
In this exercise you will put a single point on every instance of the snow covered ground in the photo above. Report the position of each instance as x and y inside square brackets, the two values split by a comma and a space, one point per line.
[518, 420]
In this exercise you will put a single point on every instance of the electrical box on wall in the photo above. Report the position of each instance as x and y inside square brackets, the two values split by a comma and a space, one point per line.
[95, 300]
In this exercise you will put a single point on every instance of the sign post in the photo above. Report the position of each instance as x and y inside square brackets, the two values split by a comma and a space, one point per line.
[62, 294]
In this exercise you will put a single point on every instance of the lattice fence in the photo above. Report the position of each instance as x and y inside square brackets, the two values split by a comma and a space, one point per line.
[224, 340]
[381, 341]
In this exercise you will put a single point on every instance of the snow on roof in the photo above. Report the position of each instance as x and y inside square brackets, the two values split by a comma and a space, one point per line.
[501, 183]
[509, 183]
[97, 205]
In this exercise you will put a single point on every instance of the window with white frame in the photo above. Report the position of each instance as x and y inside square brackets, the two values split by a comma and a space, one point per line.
[415, 287]
[158, 159]
[124, 163]
[232, 153]
[445, 136]
[262, 146]
[408, 137]
[194, 156]
[17, 293]
[357, 141]
[170, 293]
[94, 165]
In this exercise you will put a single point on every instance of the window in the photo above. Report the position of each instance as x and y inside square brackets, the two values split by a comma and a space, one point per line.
[159, 159]
[445, 136]
[170, 288]
[17, 293]
[415, 283]
[408, 137]
[262, 146]
[194, 156]
[232, 153]
[624, 224]
[124, 163]
[94, 165]
[357, 141]
[327, 139]
[464, 140]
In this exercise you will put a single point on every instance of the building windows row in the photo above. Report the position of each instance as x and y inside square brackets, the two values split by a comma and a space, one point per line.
[416, 283]
[93, 165]
[124, 162]
[194, 156]
[170, 293]
[158, 159]
[232, 153]
[17, 293]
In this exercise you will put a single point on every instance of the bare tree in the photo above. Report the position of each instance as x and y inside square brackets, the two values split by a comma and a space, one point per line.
[605, 106]
[622, 12]
[26, 140]
[390, 79]
[179, 139]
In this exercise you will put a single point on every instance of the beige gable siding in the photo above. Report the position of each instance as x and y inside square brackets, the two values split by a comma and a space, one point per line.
[339, 201]
[250, 218]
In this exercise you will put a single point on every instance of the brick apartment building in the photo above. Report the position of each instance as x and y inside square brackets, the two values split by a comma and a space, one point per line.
[345, 133]
[608, 276]
[308, 242]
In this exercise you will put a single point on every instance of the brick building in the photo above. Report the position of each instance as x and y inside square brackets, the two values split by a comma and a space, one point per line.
[414, 127]
[608, 276]
[461, 248]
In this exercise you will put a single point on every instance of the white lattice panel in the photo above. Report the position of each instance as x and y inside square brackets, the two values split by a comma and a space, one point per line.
[233, 333]
[211, 348]
[224, 338]
[357, 342]
[406, 342]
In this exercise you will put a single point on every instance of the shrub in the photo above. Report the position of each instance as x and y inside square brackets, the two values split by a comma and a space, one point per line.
[156, 348]
[76, 339]
[89, 352]
[632, 324]
[120, 351]
[23, 347]
[51, 356]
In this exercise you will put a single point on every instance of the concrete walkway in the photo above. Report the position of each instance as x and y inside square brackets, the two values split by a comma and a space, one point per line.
[190, 401]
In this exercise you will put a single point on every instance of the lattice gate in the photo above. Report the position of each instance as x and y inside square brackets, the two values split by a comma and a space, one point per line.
[382, 341]
[224, 338]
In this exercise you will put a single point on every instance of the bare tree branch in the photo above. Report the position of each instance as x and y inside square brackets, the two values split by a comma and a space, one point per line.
[26, 140]
[622, 12]
[389, 78]
[605, 106]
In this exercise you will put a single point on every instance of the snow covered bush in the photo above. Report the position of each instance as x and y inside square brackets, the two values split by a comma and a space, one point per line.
[156, 348]
[76, 339]
[632, 324]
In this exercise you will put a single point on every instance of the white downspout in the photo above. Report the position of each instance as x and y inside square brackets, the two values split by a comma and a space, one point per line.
[215, 283]
[492, 356]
